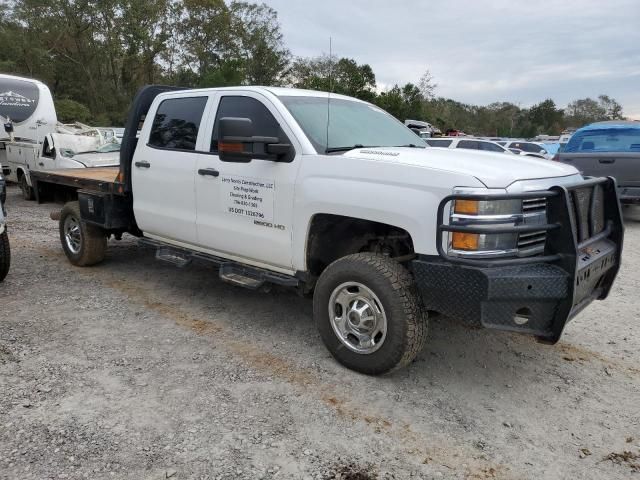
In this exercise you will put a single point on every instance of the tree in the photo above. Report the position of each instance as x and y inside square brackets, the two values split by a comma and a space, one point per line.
[546, 118]
[68, 111]
[427, 86]
[612, 109]
[343, 76]
[402, 102]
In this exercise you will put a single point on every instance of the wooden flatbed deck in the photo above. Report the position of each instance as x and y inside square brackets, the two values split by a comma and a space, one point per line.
[102, 179]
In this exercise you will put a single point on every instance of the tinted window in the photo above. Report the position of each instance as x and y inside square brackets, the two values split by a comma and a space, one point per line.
[491, 147]
[264, 123]
[468, 144]
[605, 140]
[439, 143]
[527, 147]
[176, 123]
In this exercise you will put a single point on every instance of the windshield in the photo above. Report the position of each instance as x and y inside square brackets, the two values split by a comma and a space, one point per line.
[604, 140]
[352, 123]
[109, 147]
[106, 148]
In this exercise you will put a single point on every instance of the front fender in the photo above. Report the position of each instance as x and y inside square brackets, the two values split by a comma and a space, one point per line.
[400, 195]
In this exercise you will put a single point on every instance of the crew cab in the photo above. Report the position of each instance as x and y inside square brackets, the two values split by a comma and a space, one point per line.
[334, 197]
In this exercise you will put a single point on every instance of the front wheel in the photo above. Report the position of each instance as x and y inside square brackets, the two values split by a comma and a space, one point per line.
[5, 255]
[369, 313]
[27, 190]
[83, 244]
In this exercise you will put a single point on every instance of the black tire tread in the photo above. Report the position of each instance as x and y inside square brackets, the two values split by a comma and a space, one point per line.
[94, 240]
[5, 255]
[403, 285]
[27, 191]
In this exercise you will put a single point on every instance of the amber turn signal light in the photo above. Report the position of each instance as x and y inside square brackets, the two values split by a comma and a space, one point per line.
[465, 241]
[467, 207]
[230, 147]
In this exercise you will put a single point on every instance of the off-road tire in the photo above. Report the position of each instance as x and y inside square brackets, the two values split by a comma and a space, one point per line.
[93, 241]
[5, 255]
[27, 191]
[406, 317]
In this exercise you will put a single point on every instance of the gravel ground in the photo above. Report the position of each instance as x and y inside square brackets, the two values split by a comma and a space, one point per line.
[135, 369]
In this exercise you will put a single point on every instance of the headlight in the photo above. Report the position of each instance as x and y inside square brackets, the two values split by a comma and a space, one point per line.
[488, 213]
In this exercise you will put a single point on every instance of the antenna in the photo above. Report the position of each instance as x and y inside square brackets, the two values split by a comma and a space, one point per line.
[330, 89]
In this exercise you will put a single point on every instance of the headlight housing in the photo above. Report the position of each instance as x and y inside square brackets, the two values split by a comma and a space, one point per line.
[493, 214]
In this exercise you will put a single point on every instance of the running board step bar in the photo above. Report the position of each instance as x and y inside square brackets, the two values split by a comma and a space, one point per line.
[230, 272]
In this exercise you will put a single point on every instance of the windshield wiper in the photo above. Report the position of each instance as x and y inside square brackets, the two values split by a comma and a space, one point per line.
[344, 149]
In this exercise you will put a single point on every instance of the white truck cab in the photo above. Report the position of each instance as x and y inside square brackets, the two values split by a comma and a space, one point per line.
[334, 196]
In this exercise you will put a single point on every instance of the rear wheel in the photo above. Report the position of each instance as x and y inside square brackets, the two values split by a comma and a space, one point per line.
[369, 313]
[27, 191]
[5, 255]
[83, 244]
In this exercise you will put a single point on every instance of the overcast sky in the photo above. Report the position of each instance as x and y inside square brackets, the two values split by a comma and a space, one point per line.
[481, 51]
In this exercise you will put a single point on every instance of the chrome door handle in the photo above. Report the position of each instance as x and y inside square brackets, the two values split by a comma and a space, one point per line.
[607, 160]
[212, 172]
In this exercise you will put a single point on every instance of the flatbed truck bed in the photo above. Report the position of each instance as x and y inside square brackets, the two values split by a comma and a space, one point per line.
[101, 179]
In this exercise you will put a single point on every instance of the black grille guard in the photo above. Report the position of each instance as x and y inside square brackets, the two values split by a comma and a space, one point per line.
[578, 231]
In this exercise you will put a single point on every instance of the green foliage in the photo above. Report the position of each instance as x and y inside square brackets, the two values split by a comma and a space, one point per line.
[342, 76]
[95, 54]
[71, 111]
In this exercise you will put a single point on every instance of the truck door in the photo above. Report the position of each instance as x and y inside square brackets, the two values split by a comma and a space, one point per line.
[47, 160]
[164, 170]
[245, 210]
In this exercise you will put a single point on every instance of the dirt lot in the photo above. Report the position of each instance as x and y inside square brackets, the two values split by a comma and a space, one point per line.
[136, 369]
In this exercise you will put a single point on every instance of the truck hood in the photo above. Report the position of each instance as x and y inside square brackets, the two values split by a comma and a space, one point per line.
[495, 170]
[109, 159]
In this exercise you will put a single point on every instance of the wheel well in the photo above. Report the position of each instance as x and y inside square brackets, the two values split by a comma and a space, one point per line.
[19, 173]
[334, 236]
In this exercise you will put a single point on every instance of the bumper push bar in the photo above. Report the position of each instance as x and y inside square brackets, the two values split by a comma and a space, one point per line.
[536, 295]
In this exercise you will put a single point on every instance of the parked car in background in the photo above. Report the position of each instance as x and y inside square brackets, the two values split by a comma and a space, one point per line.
[466, 143]
[473, 144]
[5, 251]
[422, 129]
[609, 148]
[530, 148]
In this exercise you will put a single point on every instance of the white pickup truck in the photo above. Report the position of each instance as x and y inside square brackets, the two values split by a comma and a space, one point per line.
[333, 196]
[32, 138]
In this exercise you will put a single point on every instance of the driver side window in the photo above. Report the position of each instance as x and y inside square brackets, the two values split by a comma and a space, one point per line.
[264, 123]
[47, 149]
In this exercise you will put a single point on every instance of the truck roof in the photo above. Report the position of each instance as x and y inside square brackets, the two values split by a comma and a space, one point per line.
[277, 91]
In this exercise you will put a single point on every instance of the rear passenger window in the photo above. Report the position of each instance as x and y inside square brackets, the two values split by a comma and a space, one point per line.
[176, 123]
[264, 123]
[468, 144]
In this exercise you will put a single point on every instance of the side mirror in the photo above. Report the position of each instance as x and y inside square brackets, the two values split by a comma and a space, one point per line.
[237, 143]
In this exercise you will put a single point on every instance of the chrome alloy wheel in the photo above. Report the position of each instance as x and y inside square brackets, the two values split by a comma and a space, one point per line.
[72, 234]
[357, 317]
